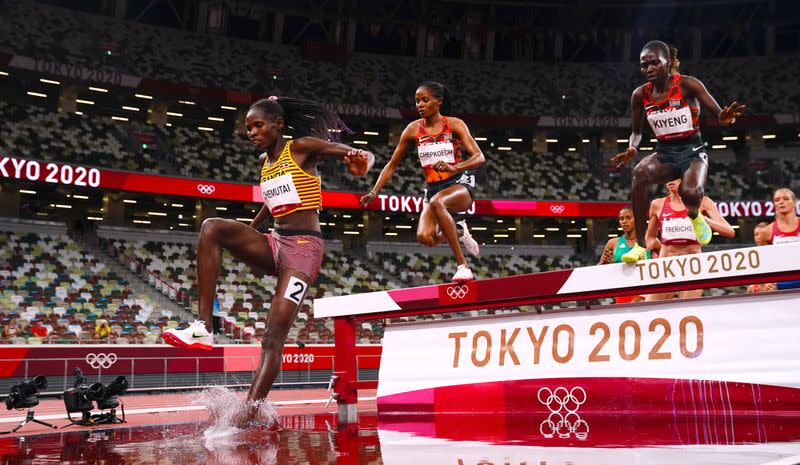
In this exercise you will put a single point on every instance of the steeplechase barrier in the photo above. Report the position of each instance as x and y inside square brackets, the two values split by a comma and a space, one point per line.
[730, 354]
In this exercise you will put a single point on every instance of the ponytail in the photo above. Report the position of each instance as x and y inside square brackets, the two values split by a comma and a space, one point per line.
[441, 91]
[305, 117]
[670, 52]
[673, 58]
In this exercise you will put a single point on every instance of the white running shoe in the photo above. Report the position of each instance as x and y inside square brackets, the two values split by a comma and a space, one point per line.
[463, 273]
[195, 336]
[469, 243]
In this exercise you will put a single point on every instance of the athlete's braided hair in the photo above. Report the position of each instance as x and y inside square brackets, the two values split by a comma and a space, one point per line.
[441, 91]
[304, 117]
[669, 51]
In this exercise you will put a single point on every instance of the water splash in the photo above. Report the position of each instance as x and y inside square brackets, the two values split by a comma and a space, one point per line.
[229, 415]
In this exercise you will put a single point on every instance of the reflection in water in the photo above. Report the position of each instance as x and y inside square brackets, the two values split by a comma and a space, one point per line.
[314, 440]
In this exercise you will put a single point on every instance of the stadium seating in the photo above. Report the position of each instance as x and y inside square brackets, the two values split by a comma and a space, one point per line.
[68, 138]
[50, 279]
[510, 88]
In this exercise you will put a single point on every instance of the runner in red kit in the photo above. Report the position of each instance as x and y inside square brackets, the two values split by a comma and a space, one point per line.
[671, 231]
[671, 104]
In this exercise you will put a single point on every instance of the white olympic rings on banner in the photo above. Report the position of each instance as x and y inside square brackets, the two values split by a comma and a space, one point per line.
[97, 361]
[567, 400]
[563, 424]
[206, 189]
[458, 292]
[557, 209]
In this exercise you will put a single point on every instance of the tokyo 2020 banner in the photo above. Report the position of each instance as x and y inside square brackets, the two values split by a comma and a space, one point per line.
[91, 177]
[734, 354]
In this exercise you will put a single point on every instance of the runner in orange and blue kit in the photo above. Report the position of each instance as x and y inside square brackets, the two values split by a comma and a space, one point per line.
[439, 140]
[671, 103]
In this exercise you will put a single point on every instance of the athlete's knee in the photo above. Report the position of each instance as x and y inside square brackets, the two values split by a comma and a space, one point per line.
[691, 196]
[436, 203]
[641, 174]
[426, 238]
[212, 228]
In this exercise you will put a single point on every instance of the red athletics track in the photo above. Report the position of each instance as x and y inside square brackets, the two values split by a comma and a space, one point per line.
[159, 409]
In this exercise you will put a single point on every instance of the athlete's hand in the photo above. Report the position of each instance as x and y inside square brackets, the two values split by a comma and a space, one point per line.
[365, 200]
[359, 161]
[621, 159]
[608, 255]
[445, 167]
[729, 114]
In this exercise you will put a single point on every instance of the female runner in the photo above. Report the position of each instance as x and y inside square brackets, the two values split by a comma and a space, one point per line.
[785, 229]
[439, 140]
[671, 231]
[671, 103]
[618, 246]
[293, 251]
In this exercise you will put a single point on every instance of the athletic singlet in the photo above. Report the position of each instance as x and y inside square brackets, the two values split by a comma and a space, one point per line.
[286, 188]
[621, 249]
[432, 148]
[676, 227]
[671, 118]
[782, 237]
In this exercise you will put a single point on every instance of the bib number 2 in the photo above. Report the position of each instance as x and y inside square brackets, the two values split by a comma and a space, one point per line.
[296, 290]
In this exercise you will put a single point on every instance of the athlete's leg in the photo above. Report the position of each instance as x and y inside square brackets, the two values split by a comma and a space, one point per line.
[690, 294]
[280, 318]
[693, 185]
[659, 296]
[242, 241]
[648, 171]
[436, 221]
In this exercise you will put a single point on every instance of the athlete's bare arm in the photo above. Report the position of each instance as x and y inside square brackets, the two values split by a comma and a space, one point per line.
[765, 235]
[637, 121]
[608, 251]
[409, 133]
[651, 237]
[263, 213]
[306, 148]
[715, 220]
[475, 158]
[693, 87]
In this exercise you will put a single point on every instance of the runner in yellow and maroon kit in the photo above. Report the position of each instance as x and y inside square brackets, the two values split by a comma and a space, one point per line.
[293, 252]
[671, 104]
[439, 140]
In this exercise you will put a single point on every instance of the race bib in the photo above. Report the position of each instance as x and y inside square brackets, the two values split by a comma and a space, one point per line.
[430, 154]
[671, 122]
[280, 194]
[467, 179]
[785, 239]
[677, 231]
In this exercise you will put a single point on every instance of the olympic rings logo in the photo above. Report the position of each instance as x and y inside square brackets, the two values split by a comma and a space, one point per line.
[567, 423]
[557, 209]
[97, 361]
[458, 292]
[206, 189]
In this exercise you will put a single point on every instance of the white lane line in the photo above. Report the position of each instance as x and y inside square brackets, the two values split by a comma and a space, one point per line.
[187, 408]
